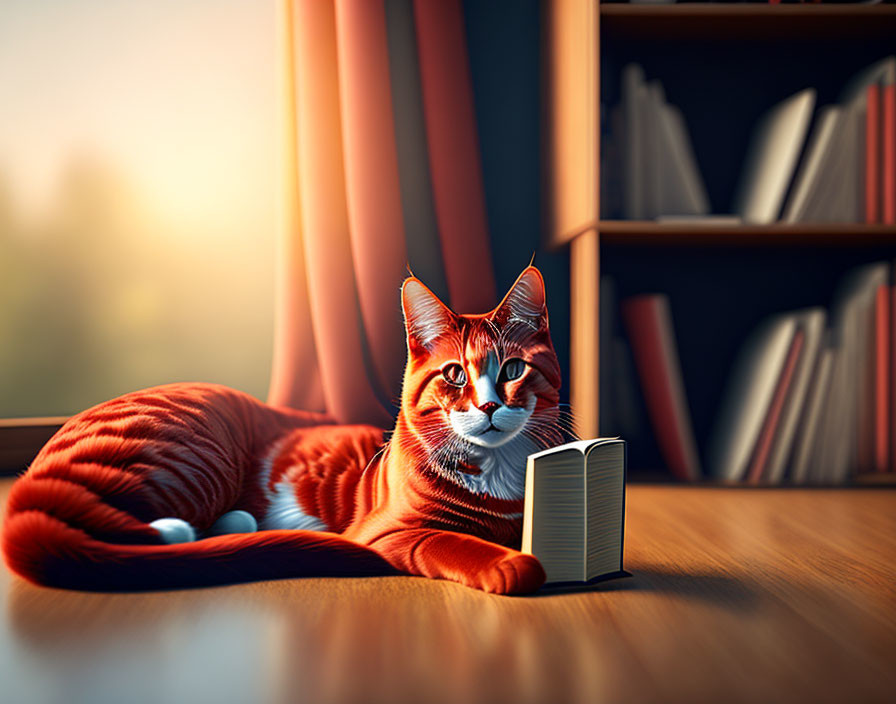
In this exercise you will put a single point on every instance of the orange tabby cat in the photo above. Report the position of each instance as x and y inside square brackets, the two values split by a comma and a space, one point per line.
[190, 484]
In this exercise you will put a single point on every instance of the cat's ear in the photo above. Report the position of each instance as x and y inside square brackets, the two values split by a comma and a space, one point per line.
[524, 302]
[425, 316]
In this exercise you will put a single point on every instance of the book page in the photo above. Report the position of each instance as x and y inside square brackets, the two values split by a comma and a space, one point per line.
[604, 509]
[553, 522]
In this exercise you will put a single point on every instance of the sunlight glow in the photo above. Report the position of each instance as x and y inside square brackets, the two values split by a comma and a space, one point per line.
[137, 197]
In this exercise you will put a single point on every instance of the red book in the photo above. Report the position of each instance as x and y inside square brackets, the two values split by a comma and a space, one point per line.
[772, 419]
[882, 379]
[649, 325]
[872, 155]
[888, 134]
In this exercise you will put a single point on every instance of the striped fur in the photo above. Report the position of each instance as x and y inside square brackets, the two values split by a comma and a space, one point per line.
[431, 501]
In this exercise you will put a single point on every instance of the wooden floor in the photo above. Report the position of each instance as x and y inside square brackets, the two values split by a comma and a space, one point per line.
[737, 595]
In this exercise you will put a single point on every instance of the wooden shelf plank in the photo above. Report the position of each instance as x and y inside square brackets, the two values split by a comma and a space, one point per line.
[744, 10]
[830, 234]
[690, 20]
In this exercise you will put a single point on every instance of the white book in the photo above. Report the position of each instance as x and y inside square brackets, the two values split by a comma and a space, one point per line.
[807, 435]
[812, 323]
[841, 192]
[748, 397]
[864, 369]
[633, 146]
[771, 158]
[840, 452]
[878, 72]
[812, 167]
[653, 157]
[832, 440]
[855, 99]
[574, 512]
[851, 173]
[684, 192]
[826, 201]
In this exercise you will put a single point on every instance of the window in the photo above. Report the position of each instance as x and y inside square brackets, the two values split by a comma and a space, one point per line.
[137, 189]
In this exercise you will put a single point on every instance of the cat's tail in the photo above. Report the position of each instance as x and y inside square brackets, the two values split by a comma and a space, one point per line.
[45, 550]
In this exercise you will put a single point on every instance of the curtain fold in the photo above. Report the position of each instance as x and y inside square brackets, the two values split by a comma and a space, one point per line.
[333, 295]
[295, 376]
[454, 154]
[372, 186]
[381, 172]
[423, 244]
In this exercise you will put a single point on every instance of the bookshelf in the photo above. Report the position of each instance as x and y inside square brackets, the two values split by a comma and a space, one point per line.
[749, 20]
[815, 234]
[699, 51]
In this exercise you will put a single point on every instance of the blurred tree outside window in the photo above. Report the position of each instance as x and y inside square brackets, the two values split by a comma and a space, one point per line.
[137, 177]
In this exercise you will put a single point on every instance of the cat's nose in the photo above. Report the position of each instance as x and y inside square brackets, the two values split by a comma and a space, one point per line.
[489, 407]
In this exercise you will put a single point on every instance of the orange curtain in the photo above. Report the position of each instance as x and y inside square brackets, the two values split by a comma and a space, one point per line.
[380, 172]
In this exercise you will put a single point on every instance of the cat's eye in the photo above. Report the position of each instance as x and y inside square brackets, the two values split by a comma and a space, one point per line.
[513, 369]
[454, 374]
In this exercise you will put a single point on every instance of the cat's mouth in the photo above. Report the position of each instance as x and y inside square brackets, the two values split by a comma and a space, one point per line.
[493, 436]
[489, 430]
[467, 468]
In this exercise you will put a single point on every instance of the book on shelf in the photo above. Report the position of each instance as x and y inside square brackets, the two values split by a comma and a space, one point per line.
[622, 410]
[648, 321]
[810, 399]
[771, 158]
[632, 140]
[574, 511]
[647, 141]
[806, 440]
[749, 397]
[846, 439]
[811, 324]
[813, 165]
[865, 96]
[757, 469]
[847, 170]
[833, 163]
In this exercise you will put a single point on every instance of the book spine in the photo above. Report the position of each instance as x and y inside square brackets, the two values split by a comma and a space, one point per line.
[528, 507]
[888, 133]
[872, 154]
[649, 326]
[814, 412]
[882, 379]
[633, 147]
[772, 419]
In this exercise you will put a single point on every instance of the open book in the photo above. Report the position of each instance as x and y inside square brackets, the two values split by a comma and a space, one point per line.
[575, 509]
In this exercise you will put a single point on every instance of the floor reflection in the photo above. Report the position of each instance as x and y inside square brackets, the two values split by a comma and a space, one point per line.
[385, 640]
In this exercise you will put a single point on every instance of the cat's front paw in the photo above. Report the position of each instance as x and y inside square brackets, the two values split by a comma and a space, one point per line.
[516, 574]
